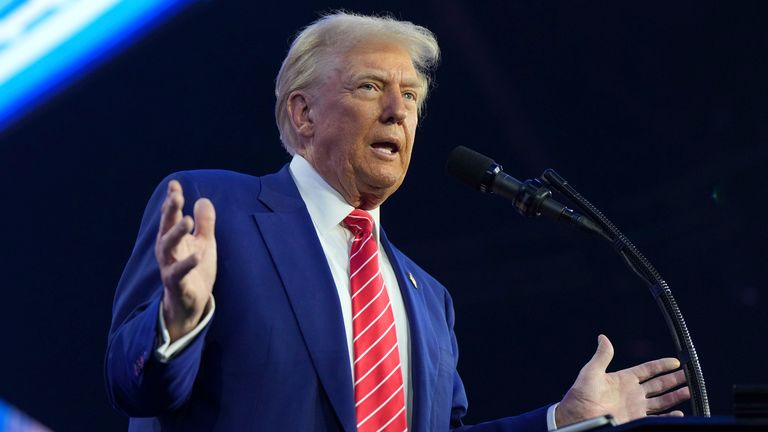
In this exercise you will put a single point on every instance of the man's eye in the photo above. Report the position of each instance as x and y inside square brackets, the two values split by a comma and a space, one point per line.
[368, 86]
[410, 96]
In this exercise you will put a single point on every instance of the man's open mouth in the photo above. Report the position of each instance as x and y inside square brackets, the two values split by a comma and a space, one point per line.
[386, 147]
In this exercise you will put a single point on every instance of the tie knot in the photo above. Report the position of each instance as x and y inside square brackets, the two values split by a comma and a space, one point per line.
[359, 222]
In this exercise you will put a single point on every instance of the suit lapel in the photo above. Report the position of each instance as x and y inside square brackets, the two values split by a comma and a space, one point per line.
[296, 251]
[424, 351]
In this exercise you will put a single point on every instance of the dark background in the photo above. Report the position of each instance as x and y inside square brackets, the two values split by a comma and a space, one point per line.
[656, 112]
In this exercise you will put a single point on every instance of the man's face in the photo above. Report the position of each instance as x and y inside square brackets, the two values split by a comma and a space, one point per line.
[364, 118]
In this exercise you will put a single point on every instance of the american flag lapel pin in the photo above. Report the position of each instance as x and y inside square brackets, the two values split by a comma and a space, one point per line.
[413, 280]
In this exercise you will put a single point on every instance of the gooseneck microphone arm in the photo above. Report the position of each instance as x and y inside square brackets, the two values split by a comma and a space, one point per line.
[534, 198]
[660, 290]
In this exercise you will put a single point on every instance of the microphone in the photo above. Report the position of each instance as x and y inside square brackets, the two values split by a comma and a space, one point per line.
[531, 198]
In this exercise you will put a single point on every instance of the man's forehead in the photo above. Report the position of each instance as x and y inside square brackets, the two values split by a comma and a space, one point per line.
[383, 62]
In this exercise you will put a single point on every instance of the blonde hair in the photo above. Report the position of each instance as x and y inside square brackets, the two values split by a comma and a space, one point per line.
[335, 32]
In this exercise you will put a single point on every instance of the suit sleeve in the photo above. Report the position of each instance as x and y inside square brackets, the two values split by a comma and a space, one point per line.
[138, 384]
[533, 421]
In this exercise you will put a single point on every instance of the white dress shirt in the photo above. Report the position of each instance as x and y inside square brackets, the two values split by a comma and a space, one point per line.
[327, 209]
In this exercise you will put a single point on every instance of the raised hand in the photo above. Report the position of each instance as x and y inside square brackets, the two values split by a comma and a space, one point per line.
[187, 260]
[628, 394]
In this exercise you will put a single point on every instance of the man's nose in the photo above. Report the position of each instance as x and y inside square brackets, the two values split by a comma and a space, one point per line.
[394, 109]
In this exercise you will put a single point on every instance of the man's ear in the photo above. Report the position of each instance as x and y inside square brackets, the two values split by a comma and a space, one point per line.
[300, 113]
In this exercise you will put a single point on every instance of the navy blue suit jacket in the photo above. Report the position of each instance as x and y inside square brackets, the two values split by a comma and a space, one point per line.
[274, 356]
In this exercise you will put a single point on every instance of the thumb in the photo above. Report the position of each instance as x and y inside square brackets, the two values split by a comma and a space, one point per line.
[205, 218]
[602, 357]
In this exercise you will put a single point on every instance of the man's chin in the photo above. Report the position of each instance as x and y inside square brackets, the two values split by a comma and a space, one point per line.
[385, 181]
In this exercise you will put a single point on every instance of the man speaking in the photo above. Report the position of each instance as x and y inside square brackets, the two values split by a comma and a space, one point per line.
[277, 303]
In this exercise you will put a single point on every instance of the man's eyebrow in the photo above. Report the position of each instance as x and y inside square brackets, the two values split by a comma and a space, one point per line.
[382, 77]
[370, 74]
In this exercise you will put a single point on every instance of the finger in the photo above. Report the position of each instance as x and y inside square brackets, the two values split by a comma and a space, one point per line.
[205, 218]
[179, 269]
[668, 400]
[655, 367]
[171, 210]
[602, 357]
[663, 383]
[170, 240]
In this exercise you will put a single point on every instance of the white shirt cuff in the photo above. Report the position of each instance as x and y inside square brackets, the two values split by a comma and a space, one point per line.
[551, 425]
[167, 350]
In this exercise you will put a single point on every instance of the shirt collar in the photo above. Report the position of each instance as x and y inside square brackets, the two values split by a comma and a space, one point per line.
[326, 206]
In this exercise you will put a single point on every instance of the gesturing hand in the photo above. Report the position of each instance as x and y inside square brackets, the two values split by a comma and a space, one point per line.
[187, 260]
[628, 394]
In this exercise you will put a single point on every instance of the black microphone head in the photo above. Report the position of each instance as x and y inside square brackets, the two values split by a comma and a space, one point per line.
[473, 168]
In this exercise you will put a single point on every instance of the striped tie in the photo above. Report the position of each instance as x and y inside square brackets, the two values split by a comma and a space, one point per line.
[379, 394]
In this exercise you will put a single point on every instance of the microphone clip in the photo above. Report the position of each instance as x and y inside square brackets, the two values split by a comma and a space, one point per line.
[532, 194]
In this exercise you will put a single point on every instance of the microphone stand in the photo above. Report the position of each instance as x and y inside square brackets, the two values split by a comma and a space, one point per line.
[659, 289]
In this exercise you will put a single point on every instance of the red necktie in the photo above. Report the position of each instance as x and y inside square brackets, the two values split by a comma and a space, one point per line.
[379, 394]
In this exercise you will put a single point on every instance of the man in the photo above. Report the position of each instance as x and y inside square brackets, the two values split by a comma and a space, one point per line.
[286, 307]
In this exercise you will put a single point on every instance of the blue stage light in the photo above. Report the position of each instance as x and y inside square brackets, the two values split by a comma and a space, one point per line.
[47, 43]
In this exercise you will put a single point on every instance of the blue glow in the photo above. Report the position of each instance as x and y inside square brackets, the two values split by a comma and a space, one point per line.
[13, 420]
[93, 43]
[5, 414]
[8, 6]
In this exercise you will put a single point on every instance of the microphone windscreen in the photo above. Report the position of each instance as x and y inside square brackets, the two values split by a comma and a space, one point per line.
[469, 166]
